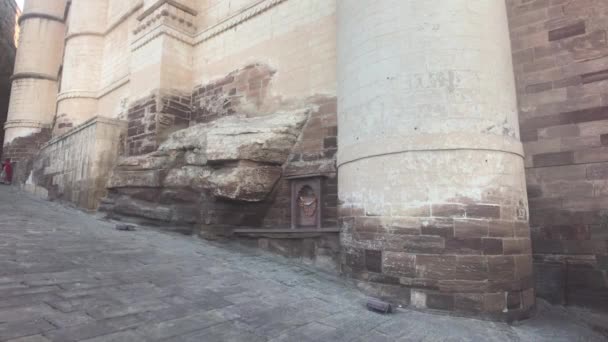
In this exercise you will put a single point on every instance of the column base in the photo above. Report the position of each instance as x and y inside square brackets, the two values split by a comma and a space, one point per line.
[499, 306]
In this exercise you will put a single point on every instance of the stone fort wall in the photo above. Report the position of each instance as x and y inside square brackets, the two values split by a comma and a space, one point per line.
[560, 53]
[458, 243]
[9, 13]
[164, 65]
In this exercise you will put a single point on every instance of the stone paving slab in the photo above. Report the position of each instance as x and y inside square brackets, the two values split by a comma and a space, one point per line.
[67, 276]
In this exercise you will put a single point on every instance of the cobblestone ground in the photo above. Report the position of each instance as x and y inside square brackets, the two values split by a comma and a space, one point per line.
[66, 276]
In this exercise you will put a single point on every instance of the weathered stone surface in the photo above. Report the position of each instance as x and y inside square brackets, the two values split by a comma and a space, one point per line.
[149, 210]
[262, 139]
[194, 177]
[250, 182]
[399, 264]
[267, 139]
[177, 196]
[153, 161]
[196, 157]
[235, 159]
[124, 179]
[193, 138]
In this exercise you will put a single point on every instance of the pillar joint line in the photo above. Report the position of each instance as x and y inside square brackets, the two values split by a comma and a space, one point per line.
[429, 143]
[84, 34]
[33, 75]
[36, 15]
[342, 163]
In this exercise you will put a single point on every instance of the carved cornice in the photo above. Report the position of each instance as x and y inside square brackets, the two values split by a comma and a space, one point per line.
[172, 3]
[235, 20]
[76, 94]
[124, 17]
[161, 31]
[166, 19]
[33, 75]
[36, 15]
[90, 122]
[25, 124]
[148, 33]
[113, 86]
[169, 15]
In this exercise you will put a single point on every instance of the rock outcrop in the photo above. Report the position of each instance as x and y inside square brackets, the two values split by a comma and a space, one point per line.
[218, 173]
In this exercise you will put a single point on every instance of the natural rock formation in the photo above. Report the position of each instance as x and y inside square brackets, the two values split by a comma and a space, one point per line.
[219, 173]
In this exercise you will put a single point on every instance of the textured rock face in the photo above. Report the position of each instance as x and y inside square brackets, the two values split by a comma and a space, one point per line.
[229, 165]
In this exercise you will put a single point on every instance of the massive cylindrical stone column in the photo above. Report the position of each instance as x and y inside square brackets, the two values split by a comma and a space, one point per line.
[84, 43]
[34, 88]
[431, 174]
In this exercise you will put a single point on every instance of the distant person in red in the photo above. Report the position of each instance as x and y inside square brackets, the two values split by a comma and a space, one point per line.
[7, 171]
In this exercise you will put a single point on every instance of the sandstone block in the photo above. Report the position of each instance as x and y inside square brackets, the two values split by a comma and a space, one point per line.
[517, 246]
[495, 302]
[463, 286]
[468, 302]
[501, 268]
[416, 244]
[449, 267]
[399, 264]
[373, 260]
[439, 227]
[500, 228]
[440, 301]
[448, 210]
[471, 228]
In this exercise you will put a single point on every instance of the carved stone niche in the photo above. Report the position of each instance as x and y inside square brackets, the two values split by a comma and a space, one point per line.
[306, 202]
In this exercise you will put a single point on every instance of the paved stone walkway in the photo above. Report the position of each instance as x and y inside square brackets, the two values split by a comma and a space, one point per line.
[65, 276]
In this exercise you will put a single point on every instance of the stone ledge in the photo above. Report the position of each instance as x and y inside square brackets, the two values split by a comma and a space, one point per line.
[90, 122]
[300, 233]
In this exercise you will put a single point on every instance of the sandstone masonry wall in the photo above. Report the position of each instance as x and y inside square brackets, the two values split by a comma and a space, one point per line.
[295, 38]
[74, 167]
[278, 55]
[9, 13]
[560, 53]
[283, 57]
[35, 81]
[213, 12]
